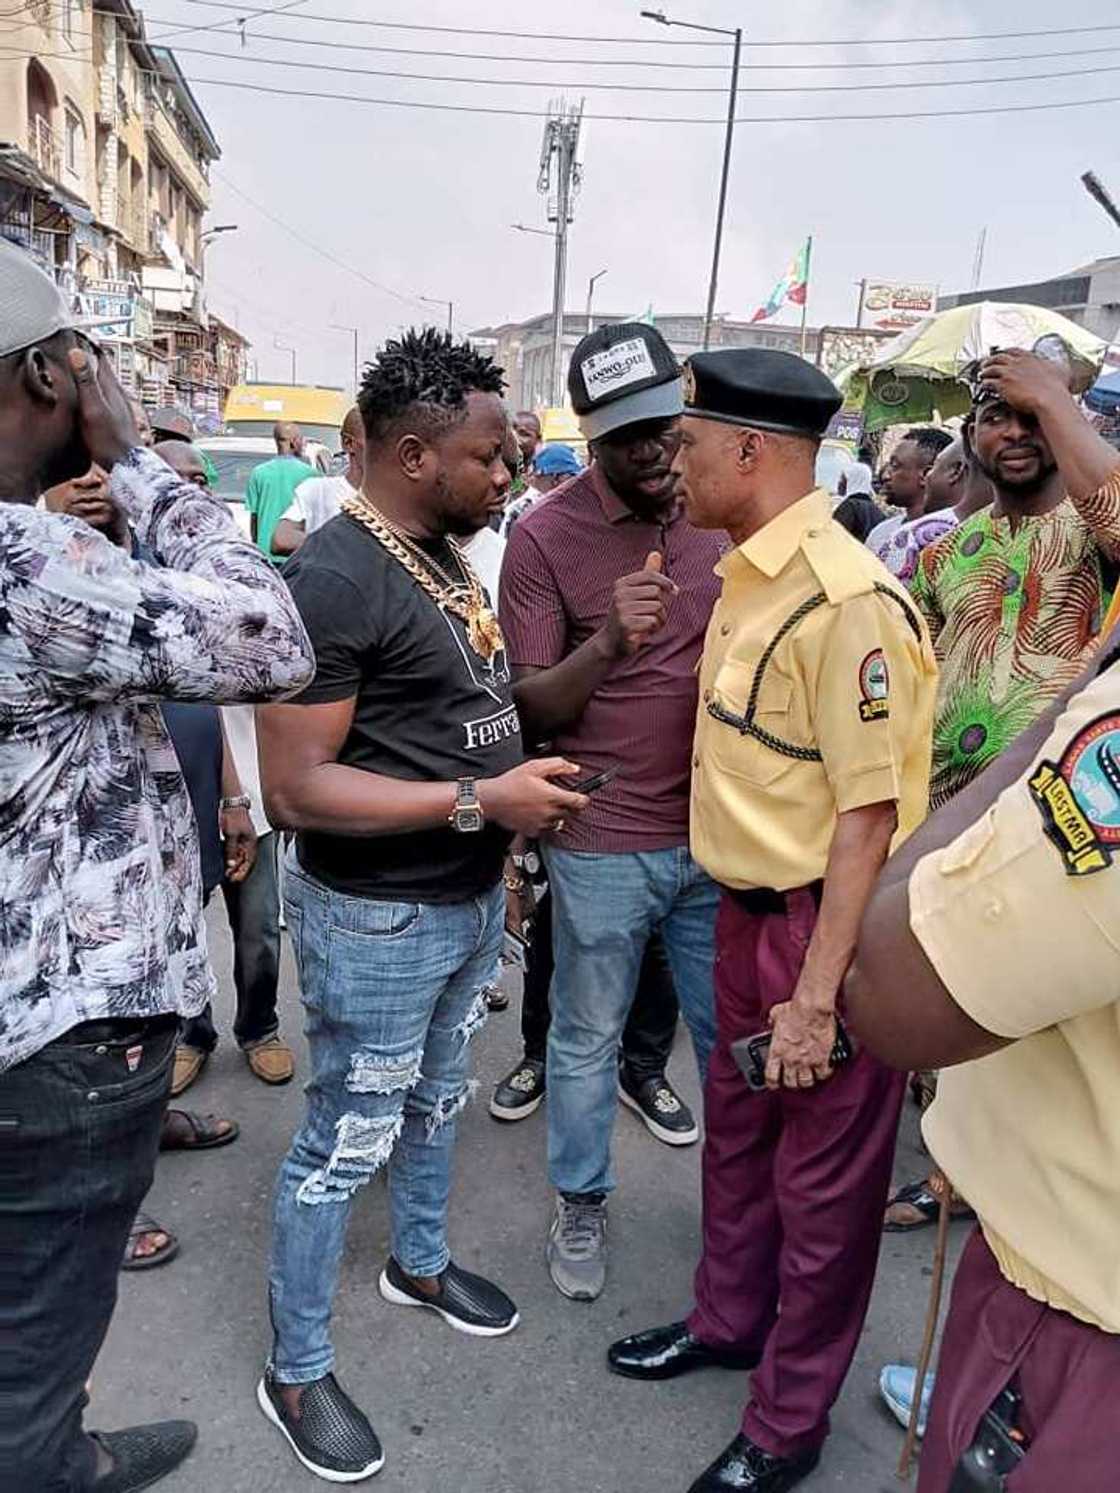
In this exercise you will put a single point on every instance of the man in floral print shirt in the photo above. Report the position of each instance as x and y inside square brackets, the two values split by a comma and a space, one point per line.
[1015, 596]
[102, 948]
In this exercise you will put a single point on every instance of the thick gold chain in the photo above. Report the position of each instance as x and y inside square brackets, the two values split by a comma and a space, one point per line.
[483, 631]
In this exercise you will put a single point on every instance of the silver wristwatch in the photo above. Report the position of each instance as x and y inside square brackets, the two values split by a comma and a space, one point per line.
[467, 817]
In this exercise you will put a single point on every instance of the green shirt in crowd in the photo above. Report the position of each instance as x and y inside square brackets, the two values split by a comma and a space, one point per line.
[269, 496]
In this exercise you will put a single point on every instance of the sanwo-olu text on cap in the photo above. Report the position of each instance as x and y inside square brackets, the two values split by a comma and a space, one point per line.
[622, 374]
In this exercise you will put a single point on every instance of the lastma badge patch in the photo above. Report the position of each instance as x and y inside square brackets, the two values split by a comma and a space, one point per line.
[874, 687]
[1079, 797]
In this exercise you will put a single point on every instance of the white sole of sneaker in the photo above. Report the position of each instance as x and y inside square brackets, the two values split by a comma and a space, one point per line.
[400, 1298]
[328, 1474]
[667, 1137]
[521, 1113]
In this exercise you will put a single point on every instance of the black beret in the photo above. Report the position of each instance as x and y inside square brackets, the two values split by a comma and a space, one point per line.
[760, 387]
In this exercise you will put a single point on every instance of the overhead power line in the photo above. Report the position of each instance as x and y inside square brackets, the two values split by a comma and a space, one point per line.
[573, 83]
[629, 41]
[893, 114]
[496, 109]
[310, 243]
[642, 63]
[331, 67]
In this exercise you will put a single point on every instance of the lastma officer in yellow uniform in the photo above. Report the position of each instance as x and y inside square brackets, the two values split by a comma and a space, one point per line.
[811, 761]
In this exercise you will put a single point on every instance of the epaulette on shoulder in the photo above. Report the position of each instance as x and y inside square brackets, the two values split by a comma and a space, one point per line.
[838, 563]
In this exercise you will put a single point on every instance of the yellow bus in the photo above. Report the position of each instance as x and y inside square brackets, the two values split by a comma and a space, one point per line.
[253, 409]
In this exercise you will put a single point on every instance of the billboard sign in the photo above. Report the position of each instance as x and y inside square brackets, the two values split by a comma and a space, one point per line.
[894, 305]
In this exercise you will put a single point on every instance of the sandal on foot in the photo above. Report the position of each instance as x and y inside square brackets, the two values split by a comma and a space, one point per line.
[143, 1454]
[146, 1224]
[189, 1063]
[924, 1200]
[272, 1061]
[199, 1133]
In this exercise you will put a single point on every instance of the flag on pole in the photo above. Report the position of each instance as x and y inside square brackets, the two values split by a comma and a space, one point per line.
[793, 286]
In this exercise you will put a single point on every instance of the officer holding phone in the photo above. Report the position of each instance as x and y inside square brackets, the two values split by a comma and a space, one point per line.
[811, 760]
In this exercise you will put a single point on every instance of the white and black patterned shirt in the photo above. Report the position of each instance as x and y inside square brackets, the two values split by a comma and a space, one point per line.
[100, 892]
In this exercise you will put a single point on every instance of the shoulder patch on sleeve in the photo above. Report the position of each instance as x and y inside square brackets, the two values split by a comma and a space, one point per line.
[1079, 797]
[874, 687]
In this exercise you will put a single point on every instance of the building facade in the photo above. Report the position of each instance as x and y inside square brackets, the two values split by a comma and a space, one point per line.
[1089, 295]
[524, 349]
[105, 158]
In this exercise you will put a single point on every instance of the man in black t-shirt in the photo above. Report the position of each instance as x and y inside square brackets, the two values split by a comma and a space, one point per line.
[400, 767]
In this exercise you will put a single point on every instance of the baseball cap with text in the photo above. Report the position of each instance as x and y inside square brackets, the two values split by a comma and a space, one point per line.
[621, 374]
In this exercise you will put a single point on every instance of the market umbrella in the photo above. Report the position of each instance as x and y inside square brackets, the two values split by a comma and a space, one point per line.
[925, 369]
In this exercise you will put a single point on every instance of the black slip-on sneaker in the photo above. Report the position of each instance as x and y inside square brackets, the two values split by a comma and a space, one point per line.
[143, 1454]
[332, 1437]
[661, 1109]
[466, 1302]
[520, 1093]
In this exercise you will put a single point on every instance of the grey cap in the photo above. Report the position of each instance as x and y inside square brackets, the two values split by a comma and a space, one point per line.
[32, 308]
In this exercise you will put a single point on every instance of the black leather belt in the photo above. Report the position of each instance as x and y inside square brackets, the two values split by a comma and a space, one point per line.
[116, 1029]
[764, 900]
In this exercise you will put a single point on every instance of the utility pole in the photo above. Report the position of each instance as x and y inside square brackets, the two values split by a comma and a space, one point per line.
[561, 165]
[433, 301]
[733, 98]
[978, 260]
[284, 348]
[335, 327]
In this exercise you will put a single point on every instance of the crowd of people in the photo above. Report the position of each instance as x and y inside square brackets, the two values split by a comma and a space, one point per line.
[661, 722]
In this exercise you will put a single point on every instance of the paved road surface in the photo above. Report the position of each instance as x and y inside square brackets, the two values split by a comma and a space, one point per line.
[532, 1413]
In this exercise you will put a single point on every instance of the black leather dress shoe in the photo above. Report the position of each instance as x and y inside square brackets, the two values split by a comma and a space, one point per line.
[745, 1468]
[665, 1352]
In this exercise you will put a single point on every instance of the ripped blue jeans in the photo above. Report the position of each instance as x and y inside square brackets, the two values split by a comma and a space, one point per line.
[393, 993]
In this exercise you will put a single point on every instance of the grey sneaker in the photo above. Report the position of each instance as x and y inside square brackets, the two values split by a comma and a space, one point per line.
[577, 1246]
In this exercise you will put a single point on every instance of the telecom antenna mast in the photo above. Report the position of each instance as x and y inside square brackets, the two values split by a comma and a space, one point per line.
[559, 179]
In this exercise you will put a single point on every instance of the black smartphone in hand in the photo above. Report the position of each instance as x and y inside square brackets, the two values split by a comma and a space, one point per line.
[751, 1054]
[594, 783]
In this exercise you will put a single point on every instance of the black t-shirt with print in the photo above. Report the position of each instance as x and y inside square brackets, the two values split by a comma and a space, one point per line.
[427, 709]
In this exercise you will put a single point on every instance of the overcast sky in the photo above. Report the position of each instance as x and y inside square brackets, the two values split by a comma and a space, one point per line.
[421, 202]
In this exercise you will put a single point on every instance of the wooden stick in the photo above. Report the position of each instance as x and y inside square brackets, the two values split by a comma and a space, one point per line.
[932, 1314]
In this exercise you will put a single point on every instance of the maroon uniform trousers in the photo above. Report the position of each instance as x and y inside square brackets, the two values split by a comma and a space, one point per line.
[794, 1188]
[1067, 1372]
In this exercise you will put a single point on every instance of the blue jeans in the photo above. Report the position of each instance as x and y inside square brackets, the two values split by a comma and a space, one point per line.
[604, 909]
[393, 993]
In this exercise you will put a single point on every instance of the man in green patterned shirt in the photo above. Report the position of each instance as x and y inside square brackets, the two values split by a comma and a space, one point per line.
[1015, 595]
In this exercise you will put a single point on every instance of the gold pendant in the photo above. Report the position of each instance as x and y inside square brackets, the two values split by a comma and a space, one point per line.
[483, 632]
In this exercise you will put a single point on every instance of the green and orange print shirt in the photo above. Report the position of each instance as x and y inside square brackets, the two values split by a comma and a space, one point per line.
[1013, 610]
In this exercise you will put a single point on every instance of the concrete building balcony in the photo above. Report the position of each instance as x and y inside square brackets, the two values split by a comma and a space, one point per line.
[161, 128]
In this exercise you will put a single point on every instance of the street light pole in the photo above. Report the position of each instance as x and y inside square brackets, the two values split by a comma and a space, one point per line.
[432, 301]
[733, 98]
[284, 348]
[336, 327]
[590, 294]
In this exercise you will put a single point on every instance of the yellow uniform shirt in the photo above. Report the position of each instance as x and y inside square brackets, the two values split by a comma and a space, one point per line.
[817, 688]
[1020, 916]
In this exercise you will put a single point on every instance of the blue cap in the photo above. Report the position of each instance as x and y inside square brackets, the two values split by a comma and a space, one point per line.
[556, 461]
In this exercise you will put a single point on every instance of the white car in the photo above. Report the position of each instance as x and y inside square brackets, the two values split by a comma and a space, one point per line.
[235, 456]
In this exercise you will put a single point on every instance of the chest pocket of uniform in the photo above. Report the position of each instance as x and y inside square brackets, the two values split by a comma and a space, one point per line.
[741, 736]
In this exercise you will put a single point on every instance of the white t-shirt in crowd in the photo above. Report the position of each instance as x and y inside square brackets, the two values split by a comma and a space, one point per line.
[317, 500]
[241, 734]
[485, 550]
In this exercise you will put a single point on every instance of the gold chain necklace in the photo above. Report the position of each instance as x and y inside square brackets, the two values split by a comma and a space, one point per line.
[465, 600]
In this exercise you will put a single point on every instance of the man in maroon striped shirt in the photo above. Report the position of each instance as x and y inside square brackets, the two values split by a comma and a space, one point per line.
[606, 595]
